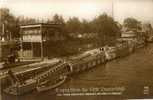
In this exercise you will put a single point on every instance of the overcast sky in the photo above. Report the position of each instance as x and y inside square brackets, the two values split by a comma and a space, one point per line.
[87, 9]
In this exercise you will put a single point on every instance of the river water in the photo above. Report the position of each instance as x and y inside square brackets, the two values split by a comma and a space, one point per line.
[128, 77]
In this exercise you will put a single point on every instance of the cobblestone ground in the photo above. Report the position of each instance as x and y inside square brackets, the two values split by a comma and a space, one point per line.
[128, 77]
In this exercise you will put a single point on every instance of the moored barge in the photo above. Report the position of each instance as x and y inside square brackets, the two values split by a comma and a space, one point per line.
[57, 76]
[53, 77]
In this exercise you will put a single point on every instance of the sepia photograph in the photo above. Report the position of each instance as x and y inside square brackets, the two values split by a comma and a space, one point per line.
[76, 49]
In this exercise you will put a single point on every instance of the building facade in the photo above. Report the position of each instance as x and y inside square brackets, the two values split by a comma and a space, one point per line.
[36, 37]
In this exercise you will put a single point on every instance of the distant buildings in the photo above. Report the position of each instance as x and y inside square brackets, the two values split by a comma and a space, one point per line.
[146, 27]
[137, 36]
[129, 35]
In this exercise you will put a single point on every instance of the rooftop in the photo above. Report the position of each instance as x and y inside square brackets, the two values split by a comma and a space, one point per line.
[40, 24]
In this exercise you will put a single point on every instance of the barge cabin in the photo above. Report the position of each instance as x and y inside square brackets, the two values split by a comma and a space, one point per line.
[36, 38]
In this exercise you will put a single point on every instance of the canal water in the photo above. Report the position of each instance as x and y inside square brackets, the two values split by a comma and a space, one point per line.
[128, 77]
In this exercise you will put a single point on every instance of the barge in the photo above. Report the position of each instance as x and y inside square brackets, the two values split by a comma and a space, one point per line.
[54, 75]
[19, 86]
[57, 76]
[89, 60]
[18, 83]
[110, 52]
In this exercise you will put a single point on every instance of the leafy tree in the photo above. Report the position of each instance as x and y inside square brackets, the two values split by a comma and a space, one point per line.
[58, 19]
[73, 25]
[85, 26]
[10, 23]
[26, 20]
[132, 23]
[105, 26]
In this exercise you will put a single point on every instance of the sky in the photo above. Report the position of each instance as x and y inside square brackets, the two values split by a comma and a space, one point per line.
[84, 9]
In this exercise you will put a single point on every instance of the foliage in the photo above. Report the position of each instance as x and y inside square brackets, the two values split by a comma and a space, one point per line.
[58, 19]
[132, 23]
[73, 25]
[9, 22]
[103, 25]
[106, 26]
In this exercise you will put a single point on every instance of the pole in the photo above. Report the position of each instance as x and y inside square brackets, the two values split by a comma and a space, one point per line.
[32, 49]
[42, 55]
[0, 89]
[21, 43]
[112, 8]
[21, 48]
[3, 30]
[10, 36]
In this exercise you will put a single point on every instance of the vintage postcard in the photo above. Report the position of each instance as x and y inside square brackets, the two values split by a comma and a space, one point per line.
[76, 49]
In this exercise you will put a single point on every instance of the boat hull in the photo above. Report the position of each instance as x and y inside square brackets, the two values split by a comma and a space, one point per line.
[46, 88]
[21, 89]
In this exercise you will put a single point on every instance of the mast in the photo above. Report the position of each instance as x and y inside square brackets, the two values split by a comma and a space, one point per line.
[3, 30]
[112, 8]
